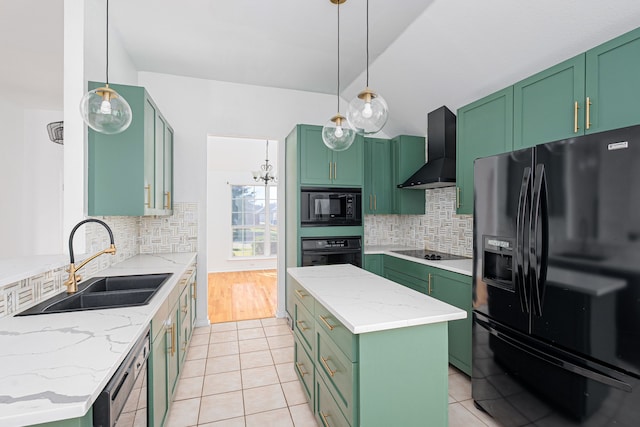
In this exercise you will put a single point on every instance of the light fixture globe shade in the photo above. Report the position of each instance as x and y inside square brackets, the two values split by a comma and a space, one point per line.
[105, 111]
[367, 113]
[337, 135]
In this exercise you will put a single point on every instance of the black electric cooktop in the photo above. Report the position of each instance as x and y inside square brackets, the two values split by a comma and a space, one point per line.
[430, 255]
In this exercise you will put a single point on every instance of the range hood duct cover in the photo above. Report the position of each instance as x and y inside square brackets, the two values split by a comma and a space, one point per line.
[440, 169]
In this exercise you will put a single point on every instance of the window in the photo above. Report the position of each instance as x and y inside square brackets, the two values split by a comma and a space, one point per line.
[254, 212]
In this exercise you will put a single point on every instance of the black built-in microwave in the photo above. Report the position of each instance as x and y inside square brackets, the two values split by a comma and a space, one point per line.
[330, 206]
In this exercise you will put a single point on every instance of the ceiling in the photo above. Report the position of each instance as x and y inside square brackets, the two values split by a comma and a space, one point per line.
[423, 53]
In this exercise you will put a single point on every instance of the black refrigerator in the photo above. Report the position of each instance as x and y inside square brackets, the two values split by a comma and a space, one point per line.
[556, 283]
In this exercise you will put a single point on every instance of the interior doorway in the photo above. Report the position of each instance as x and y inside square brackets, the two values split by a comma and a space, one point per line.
[242, 228]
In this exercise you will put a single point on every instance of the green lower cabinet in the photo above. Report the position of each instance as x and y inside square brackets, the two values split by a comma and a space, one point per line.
[484, 128]
[455, 289]
[157, 387]
[397, 377]
[449, 287]
[85, 421]
[171, 332]
[403, 377]
[373, 263]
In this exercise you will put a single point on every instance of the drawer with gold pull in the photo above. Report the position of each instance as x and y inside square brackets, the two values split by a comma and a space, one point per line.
[303, 367]
[343, 338]
[304, 324]
[338, 371]
[302, 295]
[327, 412]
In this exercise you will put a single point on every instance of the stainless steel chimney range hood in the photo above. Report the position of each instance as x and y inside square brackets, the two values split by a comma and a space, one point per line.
[440, 169]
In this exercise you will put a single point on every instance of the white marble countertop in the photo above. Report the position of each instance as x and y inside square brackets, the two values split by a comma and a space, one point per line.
[461, 266]
[53, 366]
[365, 302]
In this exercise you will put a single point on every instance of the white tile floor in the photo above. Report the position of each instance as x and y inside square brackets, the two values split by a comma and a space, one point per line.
[240, 374]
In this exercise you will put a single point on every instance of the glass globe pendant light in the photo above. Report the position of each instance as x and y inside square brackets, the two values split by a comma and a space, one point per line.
[103, 109]
[336, 133]
[368, 112]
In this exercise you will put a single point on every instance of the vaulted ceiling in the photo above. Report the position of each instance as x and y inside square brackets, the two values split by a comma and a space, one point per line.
[423, 53]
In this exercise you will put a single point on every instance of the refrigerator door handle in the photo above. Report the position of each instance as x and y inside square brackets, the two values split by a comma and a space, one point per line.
[522, 264]
[563, 364]
[538, 251]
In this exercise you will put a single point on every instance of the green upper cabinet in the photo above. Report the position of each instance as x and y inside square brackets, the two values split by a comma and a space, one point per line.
[131, 173]
[548, 105]
[407, 156]
[377, 192]
[484, 128]
[321, 166]
[613, 83]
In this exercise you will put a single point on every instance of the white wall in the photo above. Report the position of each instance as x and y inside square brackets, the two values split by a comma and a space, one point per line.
[12, 176]
[44, 170]
[197, 108]
[31, 171]
[230, 162]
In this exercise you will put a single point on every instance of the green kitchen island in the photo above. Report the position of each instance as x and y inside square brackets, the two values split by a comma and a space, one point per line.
[369, 352]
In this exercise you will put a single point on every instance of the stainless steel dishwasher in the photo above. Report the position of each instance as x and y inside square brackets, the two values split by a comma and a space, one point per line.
[123, 402]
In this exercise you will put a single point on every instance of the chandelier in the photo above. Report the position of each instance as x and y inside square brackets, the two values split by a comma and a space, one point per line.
[266, 172]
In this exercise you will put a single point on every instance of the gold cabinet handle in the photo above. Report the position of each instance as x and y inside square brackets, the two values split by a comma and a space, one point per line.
[335, 170]
[575, 117]
[172, 330]
[168, 194]
[194, 290]
[184, 308]
[324, 419]
[299, 366]
[370, 204]
[429, 283]
[148, 188]
[301, 325]
[375, 202]
[588, 124]
[300, 293]
[326, 365]
[324, 320]
[457, 197]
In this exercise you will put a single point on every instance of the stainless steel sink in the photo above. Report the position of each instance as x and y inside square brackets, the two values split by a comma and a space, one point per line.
[104, 292]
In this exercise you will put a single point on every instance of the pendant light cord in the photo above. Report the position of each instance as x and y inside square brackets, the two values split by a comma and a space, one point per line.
[367, 43]
[107, 28]
[338, 91]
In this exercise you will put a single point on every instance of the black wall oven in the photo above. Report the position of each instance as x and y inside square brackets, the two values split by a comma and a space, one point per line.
[330, 206]
[331, 250]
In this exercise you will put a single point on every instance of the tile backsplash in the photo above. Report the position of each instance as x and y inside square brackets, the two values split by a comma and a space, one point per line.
[440, 229]
[132, 236]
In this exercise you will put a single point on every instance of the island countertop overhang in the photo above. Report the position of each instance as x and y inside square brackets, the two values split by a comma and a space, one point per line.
[365, 302]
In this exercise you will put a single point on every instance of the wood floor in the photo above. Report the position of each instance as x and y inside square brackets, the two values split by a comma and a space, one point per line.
[242, 295]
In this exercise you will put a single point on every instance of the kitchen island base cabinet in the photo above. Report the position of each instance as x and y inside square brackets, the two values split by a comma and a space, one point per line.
[404, 377]
[392, 377]
[86, 421]
[400, 378]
